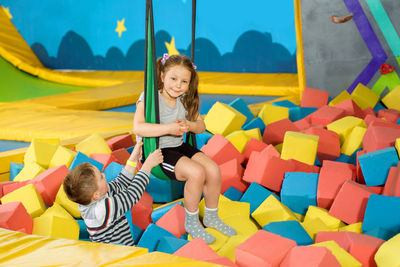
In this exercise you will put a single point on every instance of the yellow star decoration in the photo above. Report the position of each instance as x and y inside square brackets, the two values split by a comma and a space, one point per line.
[7, 10]
[121, 27]
[171, 47]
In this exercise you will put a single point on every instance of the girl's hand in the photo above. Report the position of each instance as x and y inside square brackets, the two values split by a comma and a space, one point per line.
[176, 128]
[137, 151]
[184, 125]
[153, 159]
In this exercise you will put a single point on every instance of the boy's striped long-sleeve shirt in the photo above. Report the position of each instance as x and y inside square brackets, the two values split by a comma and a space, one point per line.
[105, 218]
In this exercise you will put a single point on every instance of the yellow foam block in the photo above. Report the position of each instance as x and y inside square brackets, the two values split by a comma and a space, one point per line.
[228, 208]
[54, 226]
[62, 156]
[391, 100]
[343, 257]
[223, 119]
[228, 249]
[4, 177]
[272, 210]
[340, 98]
[397, 146]
[270, 113]
[57, 210]
[354, 227]
[220, 238]
[40, 152]
[300, 217]
[364, 97]
[279, 147]
[344, 126]
[353, 141]
[54, 141]
[254, 133]
[29, 197]
[300, 146]
[388, 252]
[332, 222]
[239, 139]
[313, 226]
[29, 171]
[67, 204]
[93, 144]
[243, 225]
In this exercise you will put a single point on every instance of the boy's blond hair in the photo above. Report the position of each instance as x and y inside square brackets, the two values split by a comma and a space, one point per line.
[80, 184]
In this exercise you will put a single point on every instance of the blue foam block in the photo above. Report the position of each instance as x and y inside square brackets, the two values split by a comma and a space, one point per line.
[255, 195]
[202, 139]
[83, 232]
[15, 168]
[164, 190]
[382, 211]
[305, 111]
[159, 212]
[233, 194]
[136, 232]
[112, 171]
[151, 237]
[290, 229]
[378, 107]
[398, 121]
[381, 233]
[81, 158]
[299, 190]
[256, 123]
[130, 149]
[170, 244]
[242, 107]
[294, 110]
[375, 165]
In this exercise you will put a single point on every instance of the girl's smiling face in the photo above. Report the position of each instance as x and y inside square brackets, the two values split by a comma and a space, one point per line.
[176, 81]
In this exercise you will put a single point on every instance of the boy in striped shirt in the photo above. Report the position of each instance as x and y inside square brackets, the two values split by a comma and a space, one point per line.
[103, 205]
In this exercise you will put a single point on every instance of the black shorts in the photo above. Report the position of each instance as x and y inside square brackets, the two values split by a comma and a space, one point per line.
[173, 154]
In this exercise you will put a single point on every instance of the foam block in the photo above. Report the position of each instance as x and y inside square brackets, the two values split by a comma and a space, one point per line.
[151, 237]
[233, 194]
[223, 119]
[364, 97]
[275, 132]
[353, 141]
[321, 214]
[270, 113]
[201, 139]
[354, 227]
[120, 141]
[382, 211]
[392, 185]
[105, 159]
[272, 210]
[328, 143]
[228, 208]
[238, 139]
[83, 232]
[381, 233]
[197, 249]
[164, 190]
[271, 253]
[299, 146]
[314, 98]
[242, 107]
[15, 168]
[313, 226]
[220, 238]
[254, 133]
[375, 165]
[357, 195]
[331, 178]
[344, 258]
[351, 109]
[397, 146]
[290, 229]
[174, 221]
[170, 244]
[14, 216]
[386, 254]
[231, 175]
[8, 188]
[326, 115]
[68, 205]
[256, 123]
[57, 210]
[121, 155]
[141, 211]
[55, 226]
[93, 144]
[344, 95]
[380, 135]
[81, 158]
[228, 249]
[299, 166]
[62, 156]
[391, 100]
[309, 256]
[344, 126]
[40, 153]
[391, 115]
[255, 195]
[112, 170]
[221, 150]
[163, 209]
[294, 110]
[29, 197]
[136, 232]
[243, 225]
[3, 184]
[30, 171]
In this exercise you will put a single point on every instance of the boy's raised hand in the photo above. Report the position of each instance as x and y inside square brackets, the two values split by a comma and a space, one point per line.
[153, 159]
[137, 151]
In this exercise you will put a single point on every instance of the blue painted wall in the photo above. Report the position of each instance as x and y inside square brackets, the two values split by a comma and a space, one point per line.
[231, 36]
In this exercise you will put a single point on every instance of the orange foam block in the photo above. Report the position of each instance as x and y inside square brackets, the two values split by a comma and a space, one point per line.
[360, 246]
[275, 131]
[390, 115]
[253, 145]
[314, 98]
[263, 249]
[328, 144]
[392, 185]
[122, 155]
[332, 176]
[141, 211]
[48, 183]
[231, 175]
[351, 108]
[326, 115]
[13, 216]
[219, 149]
[309, 256]
[380, 135]
[121, 141]
[350, 202]
[104, 159]
[173, 221]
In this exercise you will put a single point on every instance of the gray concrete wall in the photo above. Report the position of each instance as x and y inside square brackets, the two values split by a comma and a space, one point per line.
[335, 54]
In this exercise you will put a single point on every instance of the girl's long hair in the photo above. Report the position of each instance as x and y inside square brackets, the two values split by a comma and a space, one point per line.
[190, 99]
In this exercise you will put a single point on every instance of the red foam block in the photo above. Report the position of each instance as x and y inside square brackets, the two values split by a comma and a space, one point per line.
[231, 175]
[275, 132]
[121, 155]
[121, 141]
[197, 249]
[328, 144]
[141, 211]
[326, 115]
[13, 216]
[104, 159]
[253, 145]
[351, 108]
[380, 135]
[220, 150]
[390, 115]
[309, 256]
[173, 221]
[314, 98]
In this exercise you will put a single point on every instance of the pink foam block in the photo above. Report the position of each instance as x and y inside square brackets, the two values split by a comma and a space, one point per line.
[331, 178]
[360, 246]
[263, 249]
[121, 141]
[326, 115]
[8, 188]
[371, 118]
[392, 185]
[275, 132]
[13, 216]
[351, 108]
[390, 115]
[141, 212]
[197, 249]
[369, 111]
[48, 183]
[253, 145]
[350, 202]
[121, 155]
[380, 135]
[328, 144]
[377, 189]
[304, 123]
[303, 167]
[174, 221]
[104, 159]
[310, 256]
[231, 175]
[266, 171]
[2, 184]
[314, 98]
[359, 174]
[224, 261]
[219, 149]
